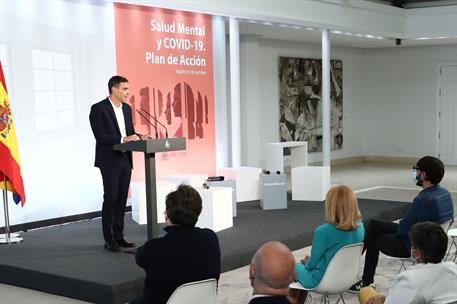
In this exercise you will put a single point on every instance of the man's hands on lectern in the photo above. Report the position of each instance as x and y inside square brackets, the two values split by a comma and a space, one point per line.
[145, 137]
[133, 137]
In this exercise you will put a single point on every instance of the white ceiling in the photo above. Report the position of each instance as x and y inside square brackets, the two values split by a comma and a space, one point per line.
[305, 35]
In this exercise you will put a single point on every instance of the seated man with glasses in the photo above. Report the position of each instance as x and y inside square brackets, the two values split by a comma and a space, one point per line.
[433, 204]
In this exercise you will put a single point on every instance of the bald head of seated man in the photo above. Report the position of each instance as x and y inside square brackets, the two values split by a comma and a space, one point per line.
[271, 271]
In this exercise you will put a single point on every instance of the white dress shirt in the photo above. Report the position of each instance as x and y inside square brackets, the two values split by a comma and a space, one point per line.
[425, 283]
[120, 118]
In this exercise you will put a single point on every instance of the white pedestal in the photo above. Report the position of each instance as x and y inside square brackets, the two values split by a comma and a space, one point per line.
[139, 200]
[274, 160]
[310, 183]
[217, 208]
[194, 180]
[247, 182]
[226, 183]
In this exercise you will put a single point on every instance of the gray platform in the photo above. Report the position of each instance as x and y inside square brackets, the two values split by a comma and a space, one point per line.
[69, 260]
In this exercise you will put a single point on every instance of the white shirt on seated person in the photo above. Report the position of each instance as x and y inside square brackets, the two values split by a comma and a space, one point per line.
[425, 283]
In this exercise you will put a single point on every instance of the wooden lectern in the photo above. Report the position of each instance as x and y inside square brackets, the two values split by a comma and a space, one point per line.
[150, 148]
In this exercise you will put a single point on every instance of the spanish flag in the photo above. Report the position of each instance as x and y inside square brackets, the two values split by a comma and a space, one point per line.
[9, 154]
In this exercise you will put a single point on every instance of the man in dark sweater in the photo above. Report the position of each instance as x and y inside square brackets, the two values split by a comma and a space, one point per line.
[271, 271]
[185, 254]
[433, 204]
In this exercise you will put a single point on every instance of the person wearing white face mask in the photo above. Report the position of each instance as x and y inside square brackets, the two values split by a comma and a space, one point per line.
[430, 281]
[433, 203]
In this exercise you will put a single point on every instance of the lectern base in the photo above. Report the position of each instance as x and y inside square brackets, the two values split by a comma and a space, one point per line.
[12, 234]
[12, 240]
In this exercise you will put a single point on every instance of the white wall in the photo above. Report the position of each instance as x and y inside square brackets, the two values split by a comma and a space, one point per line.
[259, 95]
[400, 108]
[390, 97]
[57, 165]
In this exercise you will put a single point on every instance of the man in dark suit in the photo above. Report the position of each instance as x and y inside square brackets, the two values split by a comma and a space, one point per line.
[271, 271]
[111, 122]
[185, 254]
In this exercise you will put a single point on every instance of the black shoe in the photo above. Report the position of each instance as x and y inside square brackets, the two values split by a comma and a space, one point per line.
[123, 243]
[359, 285]
[111, 245]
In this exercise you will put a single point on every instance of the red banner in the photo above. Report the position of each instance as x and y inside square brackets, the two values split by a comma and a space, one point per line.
[167, 57]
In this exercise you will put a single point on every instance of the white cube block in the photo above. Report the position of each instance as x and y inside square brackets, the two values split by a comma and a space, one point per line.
[247, 182]
[138, 199]
[226, 183]
[310, 183]
[194, 180]
[217, 208]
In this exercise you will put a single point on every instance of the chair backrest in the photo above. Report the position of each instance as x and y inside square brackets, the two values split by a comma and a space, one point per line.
[342, 271]
[447, 225]
[201, 292]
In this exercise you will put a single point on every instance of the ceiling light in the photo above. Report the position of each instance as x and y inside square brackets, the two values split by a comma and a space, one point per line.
[268, 23]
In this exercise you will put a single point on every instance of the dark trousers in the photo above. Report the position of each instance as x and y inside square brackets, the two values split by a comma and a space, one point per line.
[116, 182]
[380, 236]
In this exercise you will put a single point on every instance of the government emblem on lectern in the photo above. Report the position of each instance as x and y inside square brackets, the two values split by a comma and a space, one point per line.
[5, 119]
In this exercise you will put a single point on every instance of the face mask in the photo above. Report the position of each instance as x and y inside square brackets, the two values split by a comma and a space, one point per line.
[416, 180]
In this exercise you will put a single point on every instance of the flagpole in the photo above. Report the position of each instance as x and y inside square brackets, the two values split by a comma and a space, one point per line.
[7, 238]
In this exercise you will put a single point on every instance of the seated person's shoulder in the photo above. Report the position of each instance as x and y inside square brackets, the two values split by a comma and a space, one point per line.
[325, 228]
[450, 266]
[207, 232]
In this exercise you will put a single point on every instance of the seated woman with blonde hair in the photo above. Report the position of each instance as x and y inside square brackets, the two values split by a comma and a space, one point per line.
[344, 227]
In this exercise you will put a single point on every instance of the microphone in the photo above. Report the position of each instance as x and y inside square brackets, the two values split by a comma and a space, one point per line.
[156, 120]
[157, 135]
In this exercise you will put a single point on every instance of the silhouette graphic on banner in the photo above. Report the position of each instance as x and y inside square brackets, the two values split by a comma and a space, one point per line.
[171, 113]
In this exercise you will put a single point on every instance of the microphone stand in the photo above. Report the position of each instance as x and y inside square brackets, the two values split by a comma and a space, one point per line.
[150, 123]
[156, 120]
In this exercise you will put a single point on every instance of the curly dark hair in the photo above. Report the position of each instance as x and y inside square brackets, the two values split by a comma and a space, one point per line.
[184, 205]
[433, 167]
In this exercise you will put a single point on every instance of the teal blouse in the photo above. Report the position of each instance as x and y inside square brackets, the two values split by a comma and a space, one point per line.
[327, 240]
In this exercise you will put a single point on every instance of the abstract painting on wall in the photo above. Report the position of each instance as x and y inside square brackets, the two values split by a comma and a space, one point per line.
[300, 102]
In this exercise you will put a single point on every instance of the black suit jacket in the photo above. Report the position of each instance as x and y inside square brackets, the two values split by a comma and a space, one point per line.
[107, 134]
[185, 254]
[270, 300]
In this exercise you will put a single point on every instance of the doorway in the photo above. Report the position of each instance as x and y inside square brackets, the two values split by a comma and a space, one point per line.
[447, 113]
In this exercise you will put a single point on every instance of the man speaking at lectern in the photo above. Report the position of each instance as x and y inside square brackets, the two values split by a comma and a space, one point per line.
[111, 123]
